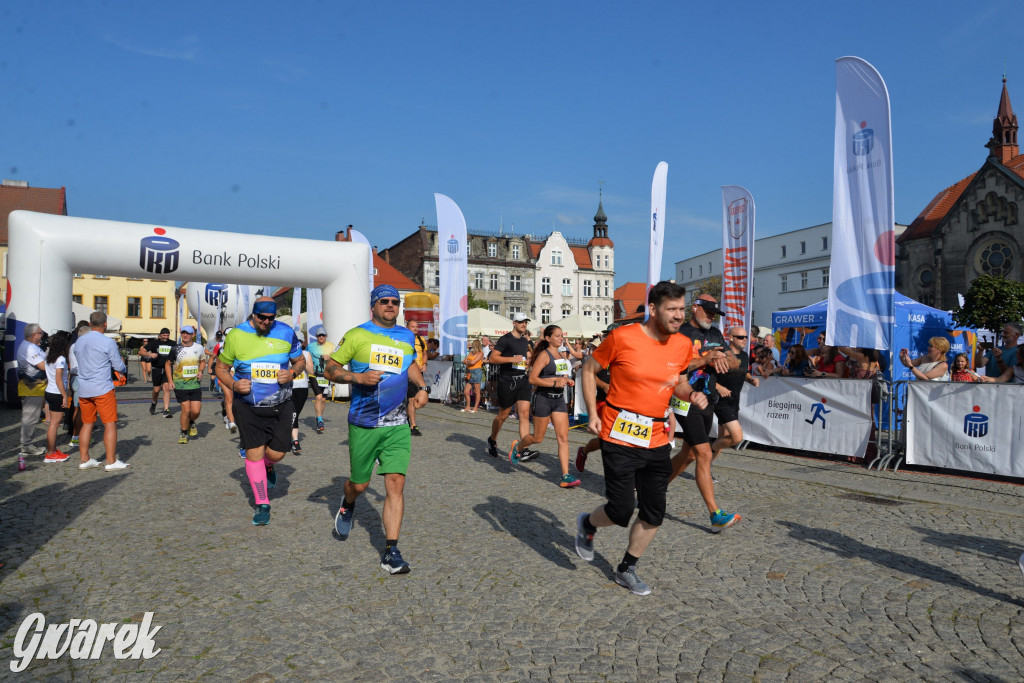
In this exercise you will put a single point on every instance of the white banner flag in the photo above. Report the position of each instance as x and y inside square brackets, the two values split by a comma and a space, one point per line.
[862, 274]
[438, 377]
[314, 308]
[737, 257]
[824, 415]
[659, 188]
[357, 236]
[452, 261]
[963, 426]
[297, 311]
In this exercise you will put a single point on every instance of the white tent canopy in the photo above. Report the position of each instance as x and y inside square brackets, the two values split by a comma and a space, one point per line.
[481, 321]
[82, 312]
[574, 326]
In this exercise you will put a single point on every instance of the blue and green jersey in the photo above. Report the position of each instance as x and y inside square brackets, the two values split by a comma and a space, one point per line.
[258, 358]
[391, 351]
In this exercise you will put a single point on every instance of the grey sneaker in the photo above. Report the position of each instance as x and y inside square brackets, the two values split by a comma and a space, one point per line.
[32, 450]
[526, 455]
[630, 580]
[584, 541]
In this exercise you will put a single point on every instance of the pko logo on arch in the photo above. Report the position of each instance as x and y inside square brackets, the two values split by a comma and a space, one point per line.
[217, 295]
[158, 254]
[976, 424]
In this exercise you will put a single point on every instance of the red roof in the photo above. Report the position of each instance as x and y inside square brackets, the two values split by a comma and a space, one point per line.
[41, 199]
[631, 294]
[582, 256]
[387, 274]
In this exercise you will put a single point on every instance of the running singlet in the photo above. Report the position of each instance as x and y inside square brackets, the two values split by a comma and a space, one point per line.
[319, 353]
[644, 373]
[259, 358]
[704, 341]
[389, 350]
[185, 365]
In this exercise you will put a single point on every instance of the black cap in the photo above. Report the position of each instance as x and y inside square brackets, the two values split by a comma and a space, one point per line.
[709, 306]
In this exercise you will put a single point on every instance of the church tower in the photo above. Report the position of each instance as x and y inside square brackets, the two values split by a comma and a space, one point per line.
[1003, 144]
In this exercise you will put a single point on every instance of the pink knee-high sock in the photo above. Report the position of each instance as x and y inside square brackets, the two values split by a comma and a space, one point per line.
[257, 472]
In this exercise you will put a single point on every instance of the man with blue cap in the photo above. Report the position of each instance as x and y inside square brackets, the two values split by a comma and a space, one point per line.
[382, 358]
[257, 363]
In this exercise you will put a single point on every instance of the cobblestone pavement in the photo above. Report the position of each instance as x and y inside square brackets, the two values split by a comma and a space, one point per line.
[834, 572]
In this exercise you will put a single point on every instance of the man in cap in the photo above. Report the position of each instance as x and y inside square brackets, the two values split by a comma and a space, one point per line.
[158, 358]
[257, 363]
[382, 359]
[319, 350]
[514, 390]
[421, 361]
[185, 365]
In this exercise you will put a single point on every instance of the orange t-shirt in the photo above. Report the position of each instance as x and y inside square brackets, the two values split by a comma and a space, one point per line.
[644, 374]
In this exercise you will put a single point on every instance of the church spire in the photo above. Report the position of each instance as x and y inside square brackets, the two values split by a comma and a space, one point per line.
[600, 219]
[1003, 145]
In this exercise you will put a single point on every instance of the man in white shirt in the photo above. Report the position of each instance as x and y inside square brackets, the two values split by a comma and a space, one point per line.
[31, 386]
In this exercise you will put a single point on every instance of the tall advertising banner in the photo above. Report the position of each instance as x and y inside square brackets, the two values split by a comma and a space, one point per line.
[297, 311]
[315, 308]
[357, 236]
[452, 259]
[659, 187]
[862, 274]
[737, 256]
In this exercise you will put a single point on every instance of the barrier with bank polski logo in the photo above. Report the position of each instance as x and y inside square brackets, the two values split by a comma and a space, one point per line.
[964, 426]
[46, 249]
[823, 415]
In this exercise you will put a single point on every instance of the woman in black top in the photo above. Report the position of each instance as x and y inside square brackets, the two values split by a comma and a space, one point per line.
[550, 373]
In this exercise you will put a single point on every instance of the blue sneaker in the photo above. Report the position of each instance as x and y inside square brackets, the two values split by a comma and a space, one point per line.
[271, 477]
[241, 453]
[262, 516]
[319, 425]
[721, 521]
[343, 521]
[513, 453]
[391, 561]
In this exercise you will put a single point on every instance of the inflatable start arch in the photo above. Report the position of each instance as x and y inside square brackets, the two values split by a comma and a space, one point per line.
[44, 251]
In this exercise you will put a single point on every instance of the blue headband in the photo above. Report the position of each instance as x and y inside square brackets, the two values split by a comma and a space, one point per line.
[383, 291]
[265, 307]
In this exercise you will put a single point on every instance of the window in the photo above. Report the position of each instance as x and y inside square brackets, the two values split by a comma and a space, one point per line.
[709, 267]
[545, 285]
[803, 247]
[493, 308]
[824, 276]
[157, 307]
[134, 307]
[478, 280]
[824, 243]
[587, 314]
[545, 316]
[100, 303]
[469, 248]
[556, 257]
[515, 252]
[494, 280]
[783, 251]
[437, 278]
[691, 272]
[995, 258]
[566, 311]
[566, 287]
[587, 289]
[78, 275]
[606, 288]
[785, 287]
[77, 298]
[803, 280]
[492, 249]
[101, 277]
[512, 310]
[515, 283]
[700, 270]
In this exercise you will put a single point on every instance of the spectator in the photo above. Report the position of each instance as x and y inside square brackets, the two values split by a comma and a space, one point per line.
[422, 349]
[932, 365]
[474, 375]
[31, 387]
[961, 370]
[1013, 374]
[433, 349]
[769, 343]
[765, 365]
[58, 394]
[798, 363]
[830, 363]
[861, 363]
[1002, 357]
[97, 356]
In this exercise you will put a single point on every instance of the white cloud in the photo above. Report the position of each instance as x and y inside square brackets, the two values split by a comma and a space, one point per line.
[185, 48]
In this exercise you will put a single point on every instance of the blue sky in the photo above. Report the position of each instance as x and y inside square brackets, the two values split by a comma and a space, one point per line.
[301, 118]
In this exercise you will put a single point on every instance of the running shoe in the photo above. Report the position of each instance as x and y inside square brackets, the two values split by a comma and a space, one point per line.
[262, 516]
[152, 408]
[227, 422]
[319, 425]
[714, 479]
[116, 465]
[630, 580]
[32, 450]
[568, 481]
[241, 453]
[56, 456]
[391, 561]
[232, 427]
[296, 448]
[167, 414]
[415, 431]
[1020, 563]
[513, 453]
[527, 455]
[492, 447]
[271, 477]
[581, 459]
[343, 521]
[89, 464]
[721, 521]
[192, 431]
[584, 541]
[73, 444]
[183, 438]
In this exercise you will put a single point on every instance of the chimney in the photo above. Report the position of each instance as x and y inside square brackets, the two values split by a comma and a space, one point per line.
[14, 183]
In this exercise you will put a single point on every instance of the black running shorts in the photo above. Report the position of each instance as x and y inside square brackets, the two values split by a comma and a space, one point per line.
[264, 426]
[512, 389]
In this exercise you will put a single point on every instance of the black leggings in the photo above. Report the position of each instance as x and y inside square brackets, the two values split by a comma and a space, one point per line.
[299, 396]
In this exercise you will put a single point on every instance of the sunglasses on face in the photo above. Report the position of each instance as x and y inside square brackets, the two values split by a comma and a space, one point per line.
[737, 336]
[388, 302]
[266, 318]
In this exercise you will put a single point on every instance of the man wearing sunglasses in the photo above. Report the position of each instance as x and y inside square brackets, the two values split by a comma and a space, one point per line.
[727, 410]
[382, 359]
[514, 389]
[259, 359]
[694, 423]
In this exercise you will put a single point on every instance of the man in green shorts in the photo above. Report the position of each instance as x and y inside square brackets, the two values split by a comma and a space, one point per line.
[382, 358]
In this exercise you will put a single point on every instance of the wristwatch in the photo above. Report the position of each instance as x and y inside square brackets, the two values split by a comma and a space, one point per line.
[424, 389]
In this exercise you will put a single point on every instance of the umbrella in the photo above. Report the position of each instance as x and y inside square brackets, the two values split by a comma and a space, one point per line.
[82, 312]
[575, 326]
[481, 321]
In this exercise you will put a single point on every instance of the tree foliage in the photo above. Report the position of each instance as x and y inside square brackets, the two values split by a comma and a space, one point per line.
[990, 303]
[473, 301]
[710, 285]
